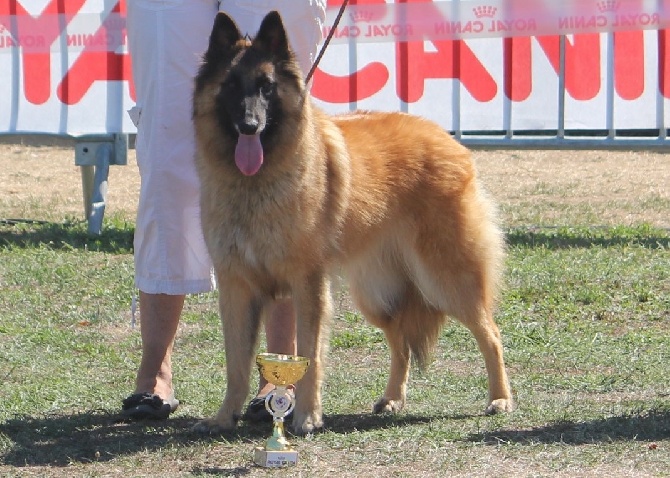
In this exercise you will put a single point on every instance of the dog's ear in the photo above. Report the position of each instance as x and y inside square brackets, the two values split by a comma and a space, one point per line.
[271, 36]
[224, 37]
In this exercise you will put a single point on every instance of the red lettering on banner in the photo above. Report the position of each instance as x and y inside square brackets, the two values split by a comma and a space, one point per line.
[664, 63]
[93, 65]
[357, 86]
[581, 82]
[360, 84]
[582, 63]
[453, 59]
[37, 66]
[517, 73]
[629, 64]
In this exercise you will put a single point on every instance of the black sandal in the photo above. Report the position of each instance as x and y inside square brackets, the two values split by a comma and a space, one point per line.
[148, 406]
[256, 411]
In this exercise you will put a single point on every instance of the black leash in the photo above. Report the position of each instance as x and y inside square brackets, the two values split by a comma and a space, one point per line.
[325, 43]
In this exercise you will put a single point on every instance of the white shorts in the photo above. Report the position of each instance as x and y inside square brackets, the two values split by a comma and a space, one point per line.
[166, 39]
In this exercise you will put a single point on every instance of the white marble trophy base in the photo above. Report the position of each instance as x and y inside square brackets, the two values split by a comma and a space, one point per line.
[275, 459]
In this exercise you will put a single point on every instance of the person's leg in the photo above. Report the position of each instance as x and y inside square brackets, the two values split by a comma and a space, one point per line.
[165, 40]
[159, 318]
[280, 336]
[154, 393]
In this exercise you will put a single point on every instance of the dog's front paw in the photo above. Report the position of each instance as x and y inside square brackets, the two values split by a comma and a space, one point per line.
[500, 405]
[304, 425]
[214, 426]
[386, 405]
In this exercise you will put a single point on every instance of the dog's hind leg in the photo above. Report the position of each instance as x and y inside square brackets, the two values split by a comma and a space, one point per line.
[313, 304]
[488, 338]
[463, 286]
[466, 299]
[241, 311]
[411, 328]
[394, 396]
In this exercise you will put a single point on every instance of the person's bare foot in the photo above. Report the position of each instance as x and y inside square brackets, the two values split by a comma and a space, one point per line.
[161, 385]
[153, 397]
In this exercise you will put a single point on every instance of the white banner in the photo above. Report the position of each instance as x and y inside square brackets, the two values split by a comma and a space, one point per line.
[470, 65]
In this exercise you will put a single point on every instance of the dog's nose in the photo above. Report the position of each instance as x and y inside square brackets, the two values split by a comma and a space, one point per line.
[248, 127]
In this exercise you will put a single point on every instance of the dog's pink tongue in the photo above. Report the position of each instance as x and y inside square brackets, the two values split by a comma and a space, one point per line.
[249, 153]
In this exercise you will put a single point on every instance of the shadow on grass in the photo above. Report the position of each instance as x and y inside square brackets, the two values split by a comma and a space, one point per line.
[650, 425]
[118, 238]
[61, 440]
[115, 239]
[346, 423]
[567, 237]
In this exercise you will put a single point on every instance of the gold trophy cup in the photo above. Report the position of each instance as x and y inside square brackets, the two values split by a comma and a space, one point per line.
[280, 370]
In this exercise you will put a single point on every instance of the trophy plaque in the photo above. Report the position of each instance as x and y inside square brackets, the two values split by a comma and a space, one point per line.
[280, 370]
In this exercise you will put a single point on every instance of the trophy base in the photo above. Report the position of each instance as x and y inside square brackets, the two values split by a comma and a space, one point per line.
[275, 459]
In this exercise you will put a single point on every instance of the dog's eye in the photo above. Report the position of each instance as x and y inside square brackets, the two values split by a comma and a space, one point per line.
[229, 86]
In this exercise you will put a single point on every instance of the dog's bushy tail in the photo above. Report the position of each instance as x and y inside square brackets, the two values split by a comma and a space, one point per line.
[422, 346]
[420, 327]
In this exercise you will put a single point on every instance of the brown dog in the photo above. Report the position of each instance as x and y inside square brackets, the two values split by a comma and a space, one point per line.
[290, 195]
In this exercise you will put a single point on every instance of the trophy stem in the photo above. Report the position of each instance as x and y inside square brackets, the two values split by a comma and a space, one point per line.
[278, 441]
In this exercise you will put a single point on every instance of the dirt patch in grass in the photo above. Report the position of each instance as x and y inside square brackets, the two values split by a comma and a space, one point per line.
[41, 182]
[581, 187]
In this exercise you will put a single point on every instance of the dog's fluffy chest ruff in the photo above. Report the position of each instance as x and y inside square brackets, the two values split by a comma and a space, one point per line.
[254, 227]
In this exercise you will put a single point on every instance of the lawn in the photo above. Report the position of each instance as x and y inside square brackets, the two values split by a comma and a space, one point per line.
[585, 318]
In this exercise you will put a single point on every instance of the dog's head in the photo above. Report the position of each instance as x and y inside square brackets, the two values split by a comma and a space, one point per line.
[260, 86]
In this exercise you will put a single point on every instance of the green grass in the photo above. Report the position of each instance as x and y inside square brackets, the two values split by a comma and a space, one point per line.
[585, 318]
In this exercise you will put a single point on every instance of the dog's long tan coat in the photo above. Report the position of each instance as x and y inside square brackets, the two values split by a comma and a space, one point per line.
[389, 199]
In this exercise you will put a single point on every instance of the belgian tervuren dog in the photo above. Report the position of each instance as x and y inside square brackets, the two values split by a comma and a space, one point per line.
[291, 195]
